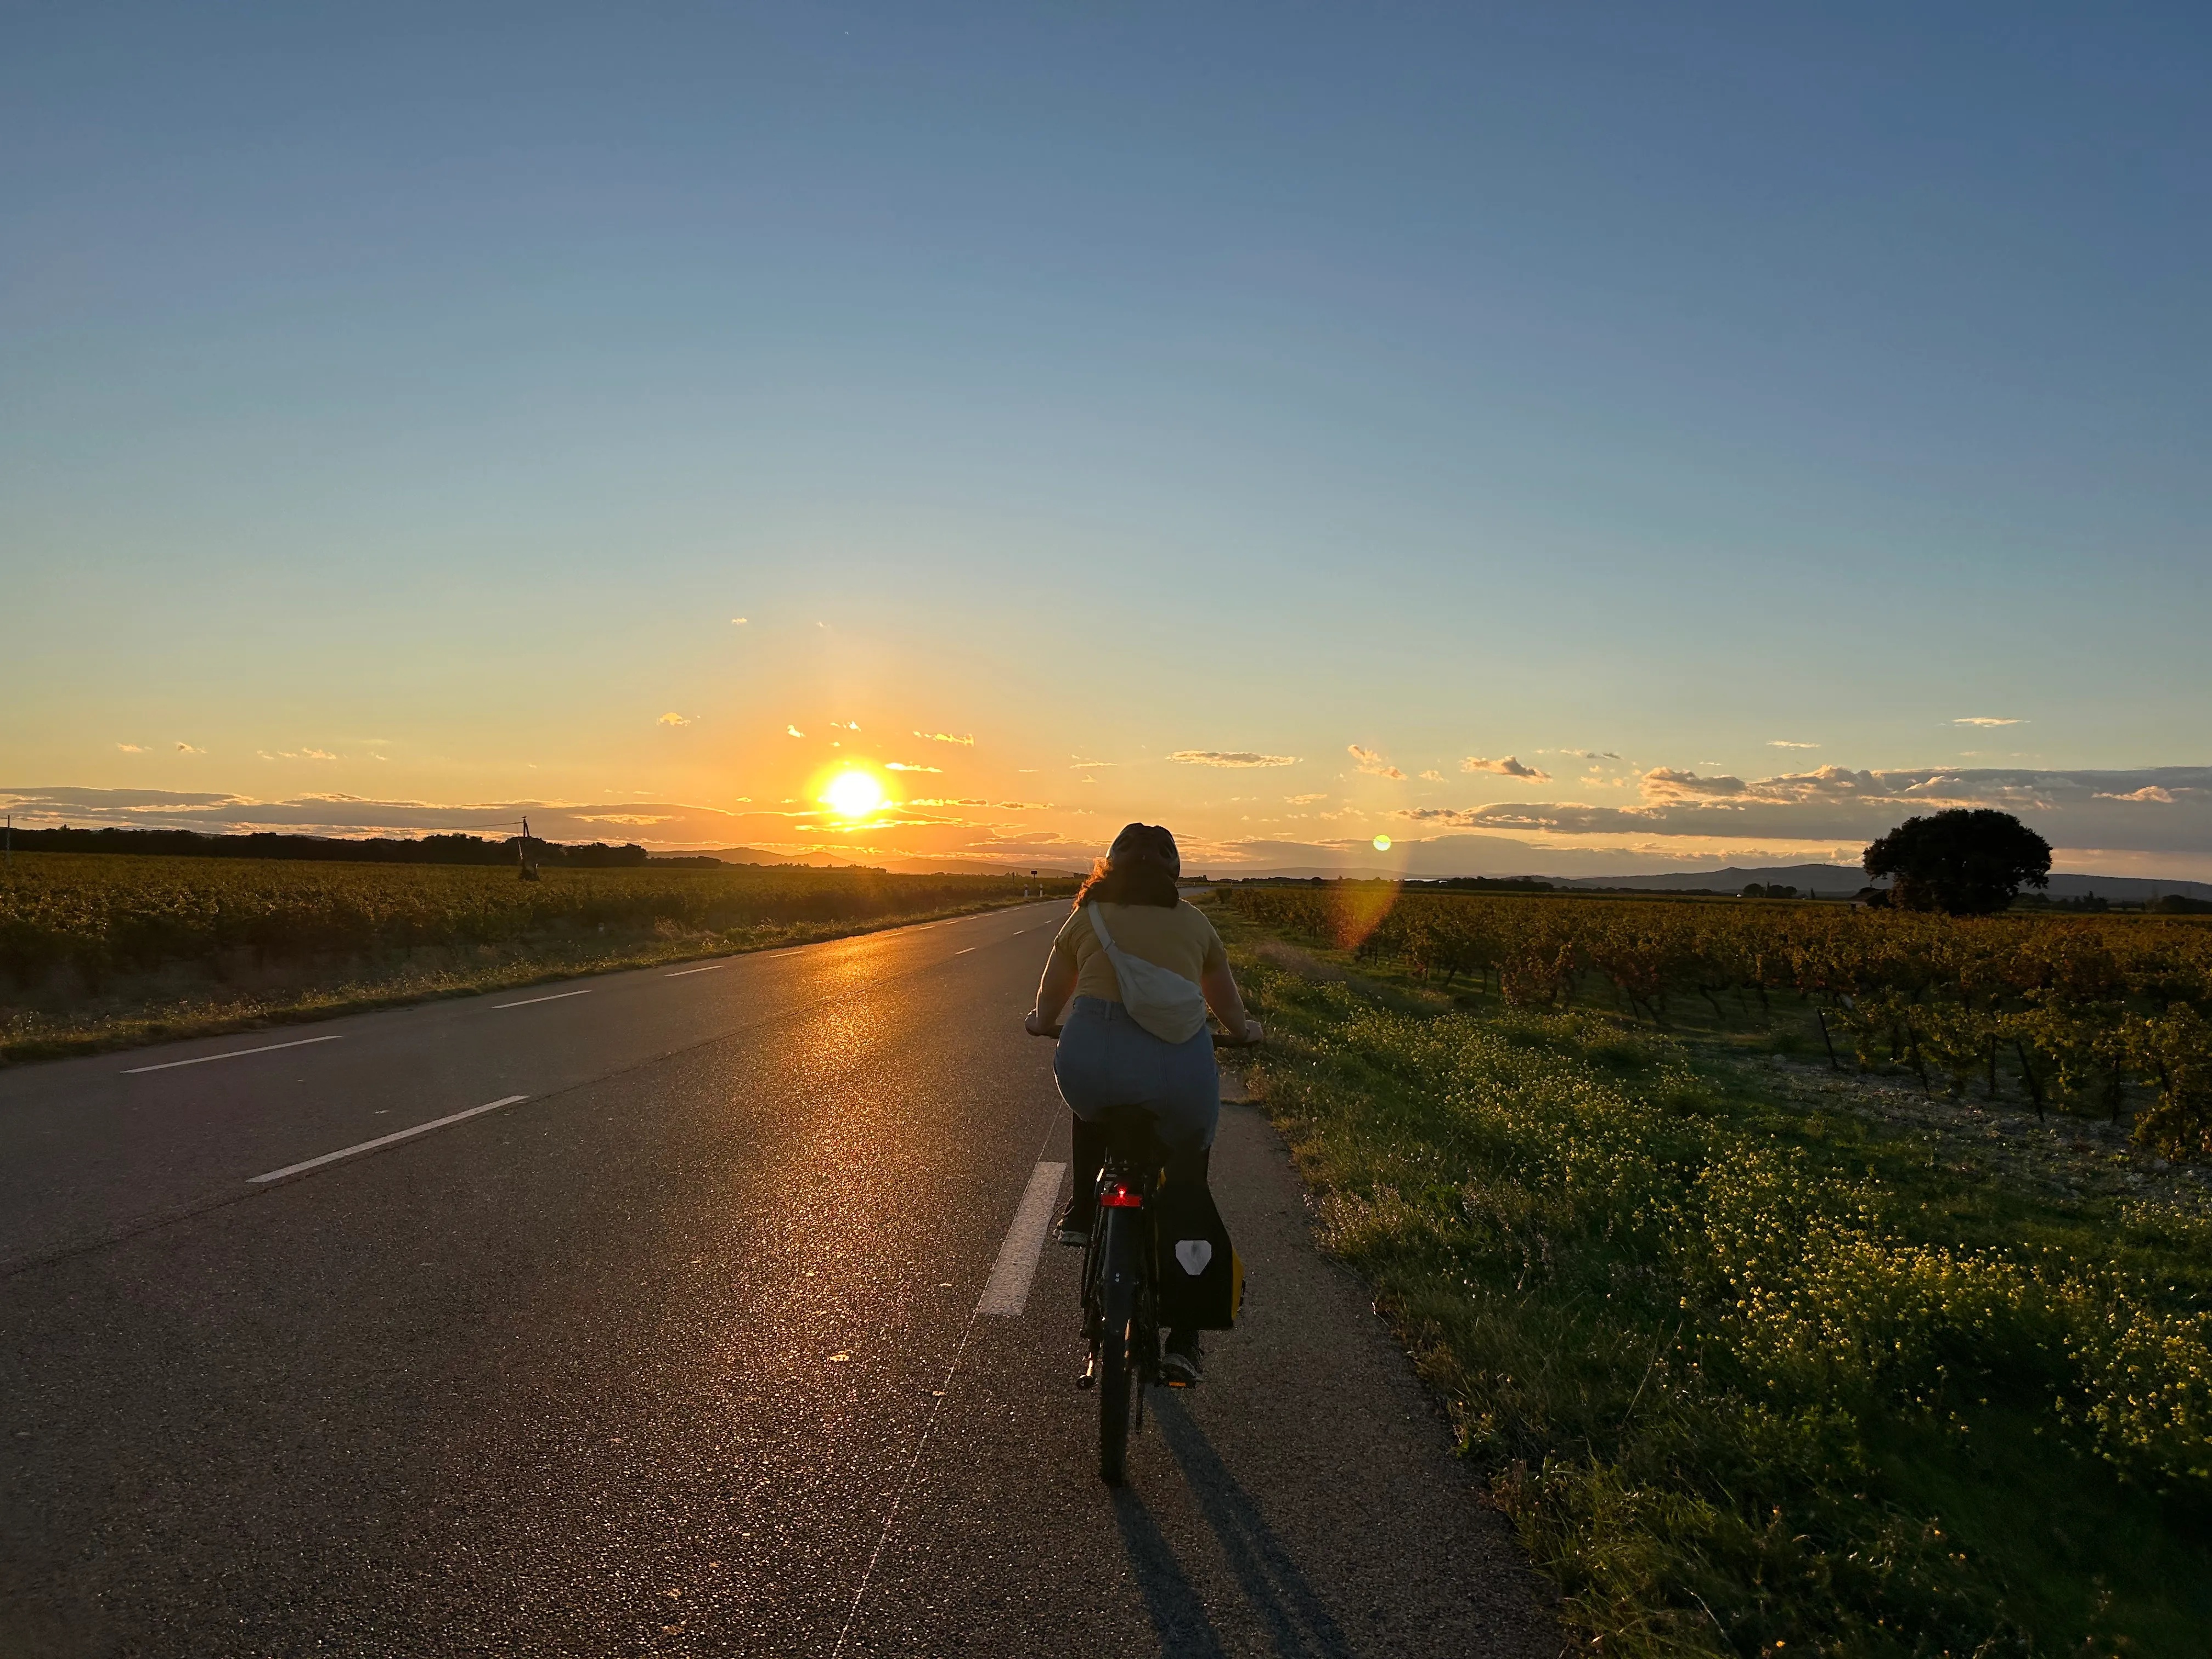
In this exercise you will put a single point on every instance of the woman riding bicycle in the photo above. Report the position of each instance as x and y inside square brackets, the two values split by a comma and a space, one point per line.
[1106, 1058]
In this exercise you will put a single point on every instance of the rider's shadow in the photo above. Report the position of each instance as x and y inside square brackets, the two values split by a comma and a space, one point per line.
[1297, 1622]
[1178, 1616]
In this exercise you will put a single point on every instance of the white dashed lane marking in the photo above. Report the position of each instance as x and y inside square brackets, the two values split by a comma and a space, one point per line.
[555, 997]
[234, 1054]
[1007, 1291]
[305, 1164]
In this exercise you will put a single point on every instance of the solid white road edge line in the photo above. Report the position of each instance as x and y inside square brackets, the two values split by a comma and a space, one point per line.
[555, 997]
[266, 1048]
[709, 969]
[1007, 1291]
[963, 949]
[386, 1140]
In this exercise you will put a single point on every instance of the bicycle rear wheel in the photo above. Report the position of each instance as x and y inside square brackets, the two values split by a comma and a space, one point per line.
[1117, 1341]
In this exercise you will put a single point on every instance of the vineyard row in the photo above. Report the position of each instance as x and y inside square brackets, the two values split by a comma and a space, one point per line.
[2082, 1010]
[95, 916]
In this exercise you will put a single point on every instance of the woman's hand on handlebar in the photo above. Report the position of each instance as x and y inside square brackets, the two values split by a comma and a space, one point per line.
[1252, 1035]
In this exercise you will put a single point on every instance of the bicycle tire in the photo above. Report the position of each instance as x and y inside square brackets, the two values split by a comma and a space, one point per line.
[1117, 1356]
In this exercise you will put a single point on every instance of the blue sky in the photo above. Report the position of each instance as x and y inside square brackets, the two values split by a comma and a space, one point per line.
[399, 405]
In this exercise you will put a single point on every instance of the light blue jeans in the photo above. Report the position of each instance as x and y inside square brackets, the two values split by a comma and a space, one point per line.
[1105, 1059]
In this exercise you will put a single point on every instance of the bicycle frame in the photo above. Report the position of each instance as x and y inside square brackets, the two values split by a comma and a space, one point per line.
[1120, 1306]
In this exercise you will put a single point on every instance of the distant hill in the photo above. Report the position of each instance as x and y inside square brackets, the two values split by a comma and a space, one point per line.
[754, 855]
[1835, 880]
[2129, 888]
[904, 867]
[1843, 878]
[921, 867]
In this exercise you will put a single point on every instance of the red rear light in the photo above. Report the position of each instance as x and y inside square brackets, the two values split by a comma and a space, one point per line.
[1121, 1196]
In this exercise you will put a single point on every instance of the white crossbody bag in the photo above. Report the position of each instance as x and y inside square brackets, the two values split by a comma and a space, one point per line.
[1170, 1006]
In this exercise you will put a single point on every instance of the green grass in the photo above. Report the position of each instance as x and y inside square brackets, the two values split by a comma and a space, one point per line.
[1752, 1374]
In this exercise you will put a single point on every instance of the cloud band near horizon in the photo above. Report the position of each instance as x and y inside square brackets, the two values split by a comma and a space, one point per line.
[2166, 809]
[2142, 818]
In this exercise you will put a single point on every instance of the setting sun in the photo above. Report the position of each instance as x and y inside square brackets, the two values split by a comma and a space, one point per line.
[854, 795]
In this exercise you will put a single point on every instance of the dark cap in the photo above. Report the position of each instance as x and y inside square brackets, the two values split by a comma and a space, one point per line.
[1146, 840]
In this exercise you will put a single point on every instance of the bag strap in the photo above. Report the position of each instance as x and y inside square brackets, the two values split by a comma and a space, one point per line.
[1098, 927]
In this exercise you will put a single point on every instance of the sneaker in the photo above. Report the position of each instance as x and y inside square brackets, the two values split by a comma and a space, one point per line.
[1073, 1227]
[1179, 1363]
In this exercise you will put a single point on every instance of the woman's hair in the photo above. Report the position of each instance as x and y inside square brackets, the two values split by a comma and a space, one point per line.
[1140, 868]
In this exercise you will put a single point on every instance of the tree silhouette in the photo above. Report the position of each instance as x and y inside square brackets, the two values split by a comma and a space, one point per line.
[1969, 861]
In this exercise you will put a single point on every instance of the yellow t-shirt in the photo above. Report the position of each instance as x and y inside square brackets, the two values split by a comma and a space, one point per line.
[1181, 940]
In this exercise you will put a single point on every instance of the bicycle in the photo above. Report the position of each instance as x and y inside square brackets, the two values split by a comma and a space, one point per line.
[1120, 1282]
[1120, 1292]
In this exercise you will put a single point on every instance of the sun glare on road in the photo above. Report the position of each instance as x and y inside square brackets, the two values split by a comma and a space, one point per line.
[854, 795]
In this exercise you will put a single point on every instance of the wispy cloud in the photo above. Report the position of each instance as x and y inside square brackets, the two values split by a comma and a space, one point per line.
[1985, 719]
[2149, 792]
[1374, 764]
[794, 732]
[1510, 767]
[133, 748]
[1432, 776]
[187, 749]
[1303, 800]
[1585, 754]
[966, 742]
[910, 766]
[671, 718]
[1784, 742]
[739, 621]
[1230, 758]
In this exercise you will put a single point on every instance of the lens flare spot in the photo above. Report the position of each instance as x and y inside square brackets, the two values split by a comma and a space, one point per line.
[854, 795]
[1382, 843]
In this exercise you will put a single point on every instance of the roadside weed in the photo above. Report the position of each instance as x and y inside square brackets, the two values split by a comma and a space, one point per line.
[1739, 1381]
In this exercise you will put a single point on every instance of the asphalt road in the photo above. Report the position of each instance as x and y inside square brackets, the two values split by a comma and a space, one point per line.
[679, 1351]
